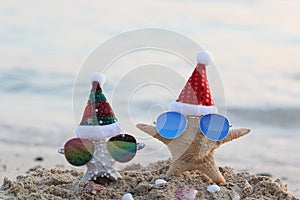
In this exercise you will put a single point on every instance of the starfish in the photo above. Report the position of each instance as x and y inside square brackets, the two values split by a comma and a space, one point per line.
[101, 168]
[192, 150]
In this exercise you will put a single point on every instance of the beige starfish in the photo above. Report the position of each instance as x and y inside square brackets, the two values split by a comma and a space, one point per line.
[192, 150]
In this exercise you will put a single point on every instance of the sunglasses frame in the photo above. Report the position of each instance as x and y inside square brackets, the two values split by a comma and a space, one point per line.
[192, 117]
[62, 150]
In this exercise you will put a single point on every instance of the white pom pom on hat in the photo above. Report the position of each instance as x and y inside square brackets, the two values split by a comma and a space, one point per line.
[99, 77]
[204, 57]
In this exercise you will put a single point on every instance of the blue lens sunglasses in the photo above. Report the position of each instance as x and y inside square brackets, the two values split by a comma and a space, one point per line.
[171, 125]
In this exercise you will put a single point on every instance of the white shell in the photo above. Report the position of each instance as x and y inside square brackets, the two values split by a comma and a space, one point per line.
[248, 189]
[234, 195]
[160, 181]
[213, 188]
[127, 196]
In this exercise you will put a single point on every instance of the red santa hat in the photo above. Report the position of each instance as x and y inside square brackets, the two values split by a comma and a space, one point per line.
[195, 98]
[98, 121]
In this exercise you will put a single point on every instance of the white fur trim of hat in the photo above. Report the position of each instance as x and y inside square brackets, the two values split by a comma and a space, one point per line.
[98, 132]
[191, 109]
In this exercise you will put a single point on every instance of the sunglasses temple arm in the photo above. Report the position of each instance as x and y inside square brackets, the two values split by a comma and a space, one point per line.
[61, 151]
[140, 145]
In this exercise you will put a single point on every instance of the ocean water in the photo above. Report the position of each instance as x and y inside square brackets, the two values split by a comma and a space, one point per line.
[38, 105]
[255, 47]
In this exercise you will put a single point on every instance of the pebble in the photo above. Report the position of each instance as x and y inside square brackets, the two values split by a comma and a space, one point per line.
[127, 196]
[234, 195]
[160, 181]
[34, 169]
[264, 174]
[39, 158]
[213, 188]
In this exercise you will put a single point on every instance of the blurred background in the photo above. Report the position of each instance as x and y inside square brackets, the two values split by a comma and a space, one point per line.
[255, 45]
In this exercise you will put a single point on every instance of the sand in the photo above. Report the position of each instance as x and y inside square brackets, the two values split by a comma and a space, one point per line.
[42, 183]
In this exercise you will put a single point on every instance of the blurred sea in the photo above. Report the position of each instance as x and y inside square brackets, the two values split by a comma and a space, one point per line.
[38, 105]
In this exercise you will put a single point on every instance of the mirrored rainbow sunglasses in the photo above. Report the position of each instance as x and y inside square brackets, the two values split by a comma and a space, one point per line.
[171, 125]
[79, 151]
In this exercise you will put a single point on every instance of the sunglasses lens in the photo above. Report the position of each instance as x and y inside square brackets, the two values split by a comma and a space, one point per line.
[214, 126]
[171, 124]
[122, 147]
[79, 151]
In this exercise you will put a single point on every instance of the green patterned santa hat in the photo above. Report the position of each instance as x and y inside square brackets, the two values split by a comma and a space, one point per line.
[98, 121]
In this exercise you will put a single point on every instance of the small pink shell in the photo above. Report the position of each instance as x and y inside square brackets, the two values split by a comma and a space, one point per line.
[93, 188]
[186, 194]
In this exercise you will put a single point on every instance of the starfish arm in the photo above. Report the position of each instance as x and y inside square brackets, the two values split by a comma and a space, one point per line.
[206, 165]
[178, 167]
[101, 167]
[151, 130]
[234, 134]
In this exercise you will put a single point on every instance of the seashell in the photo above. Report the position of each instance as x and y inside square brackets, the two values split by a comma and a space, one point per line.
[186, 194]
[160, 181]
[213, 188]
[93, 188]
[127, 196]
[234, 195]
[248, 189]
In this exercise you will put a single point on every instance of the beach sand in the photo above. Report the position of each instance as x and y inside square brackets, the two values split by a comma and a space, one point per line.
[58, 183]
[38, 172]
